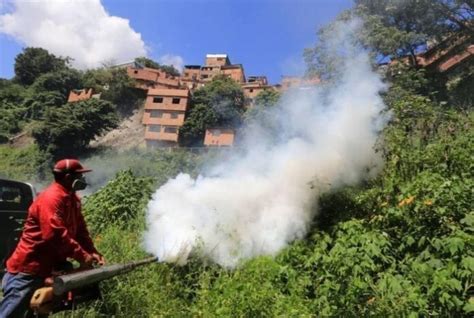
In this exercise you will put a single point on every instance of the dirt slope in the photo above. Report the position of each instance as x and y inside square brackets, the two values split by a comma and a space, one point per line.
[129, 134]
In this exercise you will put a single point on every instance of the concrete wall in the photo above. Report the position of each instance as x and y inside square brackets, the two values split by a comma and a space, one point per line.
[236, 73]
[217, 59]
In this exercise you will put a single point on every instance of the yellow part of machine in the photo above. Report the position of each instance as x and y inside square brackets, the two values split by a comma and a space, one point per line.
[42, 300]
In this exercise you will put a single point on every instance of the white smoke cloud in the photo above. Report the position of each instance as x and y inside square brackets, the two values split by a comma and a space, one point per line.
[266, 197]
[80, 29]
[175, 60]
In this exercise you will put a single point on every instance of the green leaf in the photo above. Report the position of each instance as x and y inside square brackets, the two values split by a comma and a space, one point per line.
[468, 263]
[455, 244]
[469, 307]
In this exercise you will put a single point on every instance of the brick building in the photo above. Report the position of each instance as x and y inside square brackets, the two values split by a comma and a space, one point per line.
[219, 137]
[448, 55]
[195, 76]
[147, 78]
[168, 97]
[77, 95]
[255, 85]
[288, 82]
[165, 110]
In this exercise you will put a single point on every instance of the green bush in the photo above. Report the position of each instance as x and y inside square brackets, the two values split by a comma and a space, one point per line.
[399, 245]
[120, 203]
[20, 163]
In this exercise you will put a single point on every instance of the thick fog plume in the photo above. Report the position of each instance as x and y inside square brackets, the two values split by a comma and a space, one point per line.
[314, 141]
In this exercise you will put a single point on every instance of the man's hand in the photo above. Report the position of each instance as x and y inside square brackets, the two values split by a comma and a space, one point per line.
[48, 281]
[98, 259]
[88, 262]
[91, 260]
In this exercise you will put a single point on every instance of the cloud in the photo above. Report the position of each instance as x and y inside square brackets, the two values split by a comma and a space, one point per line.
[175, 60]
[82, 30]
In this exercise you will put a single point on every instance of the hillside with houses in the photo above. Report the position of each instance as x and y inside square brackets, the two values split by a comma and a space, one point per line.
[169, 97]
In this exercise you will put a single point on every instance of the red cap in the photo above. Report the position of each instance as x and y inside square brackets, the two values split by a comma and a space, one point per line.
[69, 165]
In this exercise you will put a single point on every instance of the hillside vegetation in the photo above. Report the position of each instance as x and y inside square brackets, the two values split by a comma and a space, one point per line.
[399, 245]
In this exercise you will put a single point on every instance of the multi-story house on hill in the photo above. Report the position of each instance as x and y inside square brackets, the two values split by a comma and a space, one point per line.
[288, 82]
[168, 96]
[236, 72]
[448, 55]
[147, 78]
[165, 111]
[195, 76]
[255, 85]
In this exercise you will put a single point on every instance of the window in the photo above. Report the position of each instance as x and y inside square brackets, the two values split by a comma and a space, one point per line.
[175, 100]
[174, 115]
[204, 76]
[136, 72]
[186, 74]
[14, 196]
[171, 129]
[156, 114]
[158, 99]
[154, 128]
[251, 90]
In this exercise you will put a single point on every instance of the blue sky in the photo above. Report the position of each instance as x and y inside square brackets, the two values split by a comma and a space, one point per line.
[266, 36]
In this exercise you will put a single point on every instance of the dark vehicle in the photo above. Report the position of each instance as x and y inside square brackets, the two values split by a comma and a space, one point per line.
[15, 199]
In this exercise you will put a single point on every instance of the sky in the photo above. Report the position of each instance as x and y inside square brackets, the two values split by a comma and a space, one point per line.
[267, 37]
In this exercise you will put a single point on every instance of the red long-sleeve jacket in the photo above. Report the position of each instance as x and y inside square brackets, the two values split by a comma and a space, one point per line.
[54, 231]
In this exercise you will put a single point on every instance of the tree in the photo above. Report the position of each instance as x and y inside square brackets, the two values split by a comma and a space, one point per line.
[61, 81]
[391, 28]
[9, 120]
[268, 97]
[263, 101]
[116, 87]
[12, 92]
[68, 130]
[169, 69]
[220, 103]
[225, 97]
[35, 107]
[11, 110]
[192, 132]
[33, 62]
[399, 28]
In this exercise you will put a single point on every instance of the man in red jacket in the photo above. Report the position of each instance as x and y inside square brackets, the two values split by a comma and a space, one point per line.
[54, 231]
